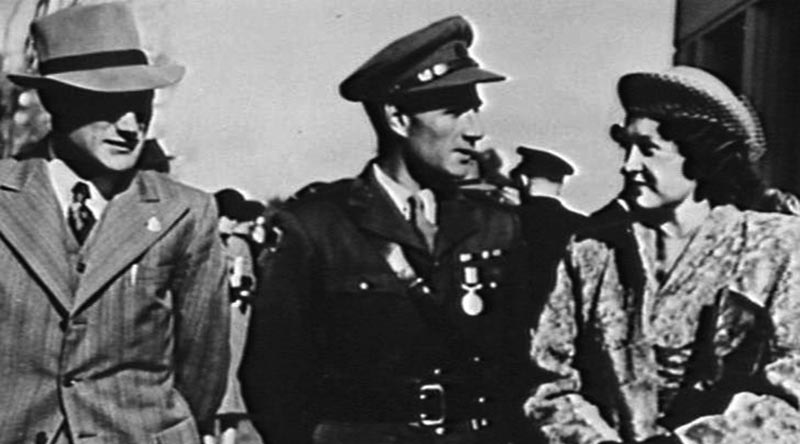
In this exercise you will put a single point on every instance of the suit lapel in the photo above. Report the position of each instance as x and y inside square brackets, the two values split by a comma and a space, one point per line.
[32, 223]
[373, 210]
[132, 221]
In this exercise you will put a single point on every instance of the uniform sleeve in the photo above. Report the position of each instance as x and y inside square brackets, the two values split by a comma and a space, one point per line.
[278, 367]
[556, 407]
[770, 416]
[201, 348]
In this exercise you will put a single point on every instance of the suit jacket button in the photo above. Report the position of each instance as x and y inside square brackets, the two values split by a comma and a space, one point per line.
[41, 438]
[81, 267]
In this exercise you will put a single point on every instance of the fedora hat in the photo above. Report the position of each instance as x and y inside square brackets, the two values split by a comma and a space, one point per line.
[94, 47]
[692, 93]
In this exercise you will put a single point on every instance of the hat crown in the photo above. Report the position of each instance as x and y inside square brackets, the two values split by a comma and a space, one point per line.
[80, 30]
[689, 92]
[434, 57]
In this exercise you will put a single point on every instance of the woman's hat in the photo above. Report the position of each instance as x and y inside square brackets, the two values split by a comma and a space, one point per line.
[94, 47]
[691, 93]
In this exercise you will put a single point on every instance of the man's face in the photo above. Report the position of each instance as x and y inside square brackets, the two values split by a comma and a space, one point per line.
[654, 168]
[106, 131]
[443, 140]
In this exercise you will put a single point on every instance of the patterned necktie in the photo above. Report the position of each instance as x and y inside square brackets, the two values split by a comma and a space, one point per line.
[425, 227]
[79, 217]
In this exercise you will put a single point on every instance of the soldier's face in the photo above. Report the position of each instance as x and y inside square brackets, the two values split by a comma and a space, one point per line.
[107, 131]
[444, 140]
[654, 168]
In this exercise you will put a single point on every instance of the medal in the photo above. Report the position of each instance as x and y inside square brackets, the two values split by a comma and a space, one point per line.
[471, 302]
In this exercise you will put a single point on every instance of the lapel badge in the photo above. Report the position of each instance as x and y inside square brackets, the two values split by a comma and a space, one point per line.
[471, 302]
[153, 224]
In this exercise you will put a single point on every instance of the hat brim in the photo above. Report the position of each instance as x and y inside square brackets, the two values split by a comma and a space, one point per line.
[114, 79]
[467, 76]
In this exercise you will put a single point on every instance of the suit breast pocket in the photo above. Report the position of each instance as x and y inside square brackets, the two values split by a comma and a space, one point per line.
[151, 282]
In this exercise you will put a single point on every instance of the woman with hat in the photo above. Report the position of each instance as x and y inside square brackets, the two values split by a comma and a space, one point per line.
[681, 325]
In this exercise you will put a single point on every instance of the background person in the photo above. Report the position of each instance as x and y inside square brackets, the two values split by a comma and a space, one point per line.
[547, 223]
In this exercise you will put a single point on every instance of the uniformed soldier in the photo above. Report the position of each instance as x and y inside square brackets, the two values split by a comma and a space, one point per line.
[394, 308]
[547, 223]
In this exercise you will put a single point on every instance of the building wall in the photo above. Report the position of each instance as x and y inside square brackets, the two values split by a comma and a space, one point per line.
[755, 47]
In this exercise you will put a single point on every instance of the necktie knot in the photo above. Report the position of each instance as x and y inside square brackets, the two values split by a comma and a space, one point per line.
[79, 217]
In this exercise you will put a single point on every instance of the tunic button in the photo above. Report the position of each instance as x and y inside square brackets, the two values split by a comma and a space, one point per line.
[440, 431]
[363, 285]
[437, 371]
[481, 400]
[69, 382]
[476, 359]
[80, 267]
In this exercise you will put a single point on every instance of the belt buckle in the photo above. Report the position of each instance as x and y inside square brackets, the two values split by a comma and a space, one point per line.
[426, 392]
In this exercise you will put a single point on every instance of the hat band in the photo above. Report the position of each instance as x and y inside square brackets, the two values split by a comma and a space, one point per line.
[94, 60]
[435, 71]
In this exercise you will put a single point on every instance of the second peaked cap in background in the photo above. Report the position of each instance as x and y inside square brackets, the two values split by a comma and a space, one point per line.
[434, 57]
[541, 163]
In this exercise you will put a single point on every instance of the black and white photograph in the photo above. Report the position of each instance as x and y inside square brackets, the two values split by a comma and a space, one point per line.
[399, 222]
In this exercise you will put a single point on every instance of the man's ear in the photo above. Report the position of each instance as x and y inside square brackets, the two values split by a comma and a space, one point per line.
[396, 120]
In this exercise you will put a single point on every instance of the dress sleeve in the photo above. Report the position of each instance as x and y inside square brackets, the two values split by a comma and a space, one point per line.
[770, 416]
[556, 407]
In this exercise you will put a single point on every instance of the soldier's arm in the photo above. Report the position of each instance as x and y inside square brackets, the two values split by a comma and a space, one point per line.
[278, 364]
[556, 407]
[202, 328]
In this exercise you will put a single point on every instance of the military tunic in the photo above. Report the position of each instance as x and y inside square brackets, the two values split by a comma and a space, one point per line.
[711, 350]
[342, 332]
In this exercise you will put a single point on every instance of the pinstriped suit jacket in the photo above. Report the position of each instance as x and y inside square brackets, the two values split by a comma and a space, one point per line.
[136, 352]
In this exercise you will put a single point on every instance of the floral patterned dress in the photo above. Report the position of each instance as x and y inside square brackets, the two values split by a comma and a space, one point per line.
[710, 350]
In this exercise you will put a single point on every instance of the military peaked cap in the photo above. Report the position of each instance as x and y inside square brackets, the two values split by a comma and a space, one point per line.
[432, 58]
[541, 163]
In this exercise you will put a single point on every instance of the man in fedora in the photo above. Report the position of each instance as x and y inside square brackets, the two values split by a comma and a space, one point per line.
[394, 307]
[114, 323]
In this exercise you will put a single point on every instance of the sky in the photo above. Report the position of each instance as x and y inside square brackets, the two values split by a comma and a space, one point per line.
[259, 108]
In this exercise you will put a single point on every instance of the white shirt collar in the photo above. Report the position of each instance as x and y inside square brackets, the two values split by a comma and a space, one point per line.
[400, 195]
[63, 179]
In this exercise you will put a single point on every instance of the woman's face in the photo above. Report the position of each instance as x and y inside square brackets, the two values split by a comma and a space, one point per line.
[653, 168]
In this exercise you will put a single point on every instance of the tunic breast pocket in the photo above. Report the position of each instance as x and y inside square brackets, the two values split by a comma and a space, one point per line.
[365, 297]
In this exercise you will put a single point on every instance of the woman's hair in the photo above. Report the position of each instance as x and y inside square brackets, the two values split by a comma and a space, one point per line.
[715, 158]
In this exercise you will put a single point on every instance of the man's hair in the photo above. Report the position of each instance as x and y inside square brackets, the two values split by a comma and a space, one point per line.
[377, 117]
[716, 159]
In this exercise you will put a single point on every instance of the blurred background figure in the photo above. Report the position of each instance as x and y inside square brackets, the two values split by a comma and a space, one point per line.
[154, 157]
[778, 201]
[547, 223]
[237, 219]
[488, 181]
